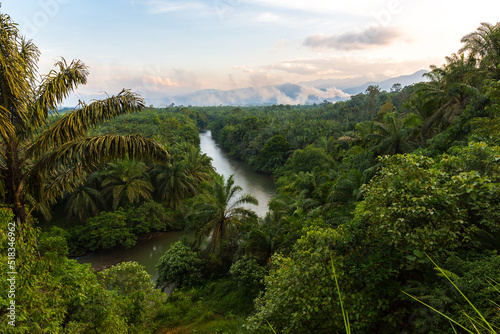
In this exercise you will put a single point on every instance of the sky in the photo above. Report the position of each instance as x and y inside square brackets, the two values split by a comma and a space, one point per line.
[162, 48]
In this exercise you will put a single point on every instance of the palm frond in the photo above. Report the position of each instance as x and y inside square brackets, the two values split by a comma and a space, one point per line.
[56, 86]
[16, 73]
[74, 125]
[88, 154]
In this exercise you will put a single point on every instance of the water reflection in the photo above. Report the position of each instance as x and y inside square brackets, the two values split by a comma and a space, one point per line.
[261, 186]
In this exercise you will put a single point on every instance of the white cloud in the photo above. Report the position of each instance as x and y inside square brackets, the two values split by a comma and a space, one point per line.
[268, 17]
[347, 67]
[162, 6]
[352, 40]
[317, 6]
[156, 82]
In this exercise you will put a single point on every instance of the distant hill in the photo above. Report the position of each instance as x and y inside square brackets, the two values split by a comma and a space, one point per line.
[302, 93]
[404, 80]
[279, 94]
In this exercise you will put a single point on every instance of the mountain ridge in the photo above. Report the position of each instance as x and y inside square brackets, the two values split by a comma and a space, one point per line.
[307, 92]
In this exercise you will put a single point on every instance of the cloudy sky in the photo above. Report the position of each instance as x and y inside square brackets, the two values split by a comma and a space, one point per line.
[165, 47]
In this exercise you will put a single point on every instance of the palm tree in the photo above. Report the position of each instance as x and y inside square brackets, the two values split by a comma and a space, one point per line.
[44, 161]
[84, 202]
[265, 239]
[173, 182]
[484, 45]
[219, 211]
[199, 166]
[346, 188]
[126, 182]
[394, 135]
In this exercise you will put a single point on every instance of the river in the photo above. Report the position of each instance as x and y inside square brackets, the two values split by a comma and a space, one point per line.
[148, 252]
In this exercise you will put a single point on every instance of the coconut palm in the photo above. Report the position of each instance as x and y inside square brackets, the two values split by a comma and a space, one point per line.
[126, 182]
[219, 211]
[42, 161]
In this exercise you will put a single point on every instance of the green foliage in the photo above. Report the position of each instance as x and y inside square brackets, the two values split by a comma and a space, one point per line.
[217, 212]
[248, 273]
[179, 265]
[121, 227]
[107, 230]
[300, 295]
[132, 290]
[307, 159]
[151, 217]
[125, 183]
[69, 294]
[273, 154]
[53, 244]
[215, 308]
[458, 198]
[475, 313]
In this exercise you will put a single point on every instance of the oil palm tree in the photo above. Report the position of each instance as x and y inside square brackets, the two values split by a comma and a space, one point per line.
[395, 134]
[265, 239]
[42, 161]
[199, 165]
[484, 45]
[219, 211]
[83, 202]
[173, 182]
[126, 182]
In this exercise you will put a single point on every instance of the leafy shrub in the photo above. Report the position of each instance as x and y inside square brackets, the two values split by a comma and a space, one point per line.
[107, 230]
[179, 265]
[248, 273]
[300, 295]
[136, 299]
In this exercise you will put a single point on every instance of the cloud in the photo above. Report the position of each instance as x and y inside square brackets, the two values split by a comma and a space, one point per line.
[315, 6]
[280, 45]
[353, 40]
[155, 82]
[268, 18]
[280, 94]
[161, 6]
[347, 67]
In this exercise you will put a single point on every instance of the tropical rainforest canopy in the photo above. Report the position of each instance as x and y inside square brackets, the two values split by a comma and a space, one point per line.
[384, 202]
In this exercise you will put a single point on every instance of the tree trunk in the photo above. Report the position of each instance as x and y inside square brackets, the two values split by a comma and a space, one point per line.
[14, 182]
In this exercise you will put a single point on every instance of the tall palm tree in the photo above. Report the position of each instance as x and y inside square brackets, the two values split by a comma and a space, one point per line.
[372, 92]
[126, 182]
[219, 211]
[43, 161]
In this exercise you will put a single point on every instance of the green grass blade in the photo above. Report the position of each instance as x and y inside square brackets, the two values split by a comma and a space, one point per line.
[271, 327]
[461, 293]
[453, 327]
[438, 312]
[345, 315]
